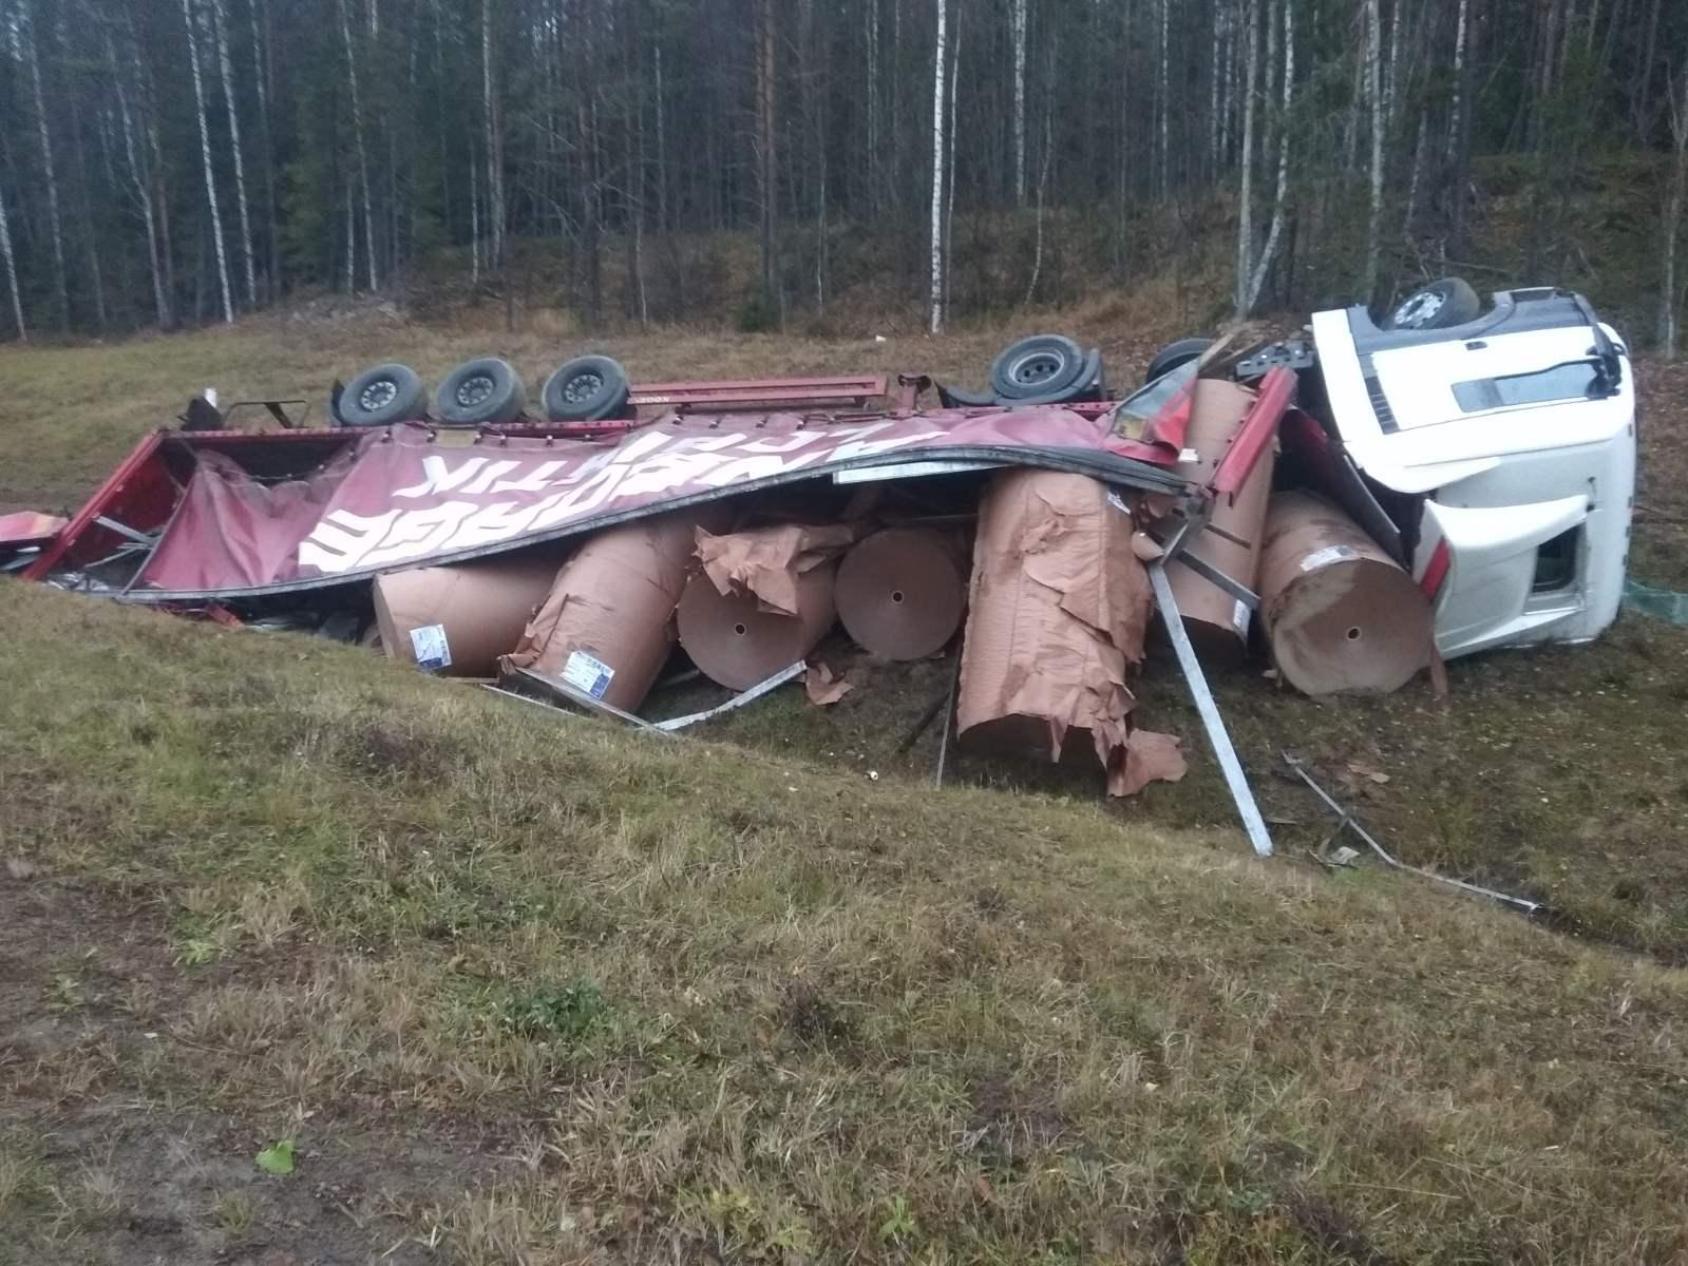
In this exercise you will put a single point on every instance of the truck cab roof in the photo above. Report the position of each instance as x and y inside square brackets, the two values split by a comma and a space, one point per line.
[1418, 409]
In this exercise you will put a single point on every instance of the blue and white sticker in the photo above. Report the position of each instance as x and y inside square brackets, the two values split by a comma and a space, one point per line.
[587, 674]
[432, 650]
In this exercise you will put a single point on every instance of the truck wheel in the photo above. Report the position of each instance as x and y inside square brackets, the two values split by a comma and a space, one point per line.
[586, 389]
[1439, 306]
[1042, 365]
[479, 393]
[1173, 355]
[380, 397]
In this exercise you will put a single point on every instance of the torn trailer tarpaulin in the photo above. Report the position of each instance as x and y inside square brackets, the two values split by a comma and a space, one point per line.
[396, 498]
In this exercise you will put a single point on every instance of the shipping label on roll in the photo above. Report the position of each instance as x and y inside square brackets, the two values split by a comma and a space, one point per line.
[1328, 555]
[587, 674]
[432, 650]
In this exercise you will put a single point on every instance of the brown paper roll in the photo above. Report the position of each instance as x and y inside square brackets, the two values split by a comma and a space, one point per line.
[1058, 609]
[735, 642]
[1341, 615]
[606, 626]
[1217, 622]
[901, 593]
[471, 613]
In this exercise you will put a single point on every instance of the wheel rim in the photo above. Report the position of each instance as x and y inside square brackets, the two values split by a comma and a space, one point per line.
[1036, 368]
[475, 390]
[583, 386]
[378, 395]
[1419, 309]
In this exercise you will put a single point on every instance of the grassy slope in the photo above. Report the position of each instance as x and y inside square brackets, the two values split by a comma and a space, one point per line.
[715, 1001]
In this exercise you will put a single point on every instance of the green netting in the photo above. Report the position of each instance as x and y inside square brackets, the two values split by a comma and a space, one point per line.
[1662, 604]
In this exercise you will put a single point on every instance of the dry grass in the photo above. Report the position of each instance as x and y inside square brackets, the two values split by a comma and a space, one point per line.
[700, 1002]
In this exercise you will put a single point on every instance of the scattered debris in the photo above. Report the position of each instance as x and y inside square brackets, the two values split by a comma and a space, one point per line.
[279, 1158]
[822, 687]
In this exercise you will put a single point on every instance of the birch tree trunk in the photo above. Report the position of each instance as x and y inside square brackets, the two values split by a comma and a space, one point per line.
[1280, 196]
[11, 272]
[1165, 105]
[949, 165]
[1668, 296]
[266, 140]
[1374, 67]
[219, 31]
[1018, 20]
[1245, 194]
[871, 166]
[363, 155]
[141, 178]
[938, 103]
[767, 156]
[55, 223]
[494, 144]
[205, 163]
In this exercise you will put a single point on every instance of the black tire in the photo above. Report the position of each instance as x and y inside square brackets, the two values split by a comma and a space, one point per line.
[1438, 306]
[380, 397]
[586, 389]
[1039, 366]
[1170, 357]
[480, 393]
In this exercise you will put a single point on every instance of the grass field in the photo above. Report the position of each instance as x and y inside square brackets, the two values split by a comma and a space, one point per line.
[518, 988]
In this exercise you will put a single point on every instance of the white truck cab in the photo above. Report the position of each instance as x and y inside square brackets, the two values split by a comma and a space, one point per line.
[1494, 457]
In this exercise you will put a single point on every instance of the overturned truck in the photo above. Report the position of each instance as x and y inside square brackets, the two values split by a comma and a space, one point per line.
[1381, 494]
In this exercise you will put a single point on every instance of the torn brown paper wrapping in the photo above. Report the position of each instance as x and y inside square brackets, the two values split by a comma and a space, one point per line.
[1341, 615]
[1217, 622]
[606, 626]
[459, 620]
[901, 592]
[762, 600]
[1058, 607]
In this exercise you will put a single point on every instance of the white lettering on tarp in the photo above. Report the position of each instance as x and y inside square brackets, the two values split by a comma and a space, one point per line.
[339, 541]
[419, 533]
[638, 471]
[438, 477]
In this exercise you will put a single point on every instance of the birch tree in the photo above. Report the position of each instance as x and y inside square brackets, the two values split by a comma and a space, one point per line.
[1245, 194]
[216, 224]
[494, 145]
[1280, 195]
[140, 179]
[11, 271]
[55, 223]
[1018, 22]
[362, 151]
[1669, 297]
[1374, 90]
[938, 104]
[225, 68]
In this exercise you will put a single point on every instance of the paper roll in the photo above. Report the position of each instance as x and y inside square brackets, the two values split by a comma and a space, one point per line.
[901, 593]
[1341, 615]
[1057, 612]
[606, 626]
[458, 620]
[737, 641]
[1217, 622]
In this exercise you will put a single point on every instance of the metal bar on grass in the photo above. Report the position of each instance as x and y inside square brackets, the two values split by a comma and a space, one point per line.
[761, 688]
[1217, 736]
[1346, 819]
